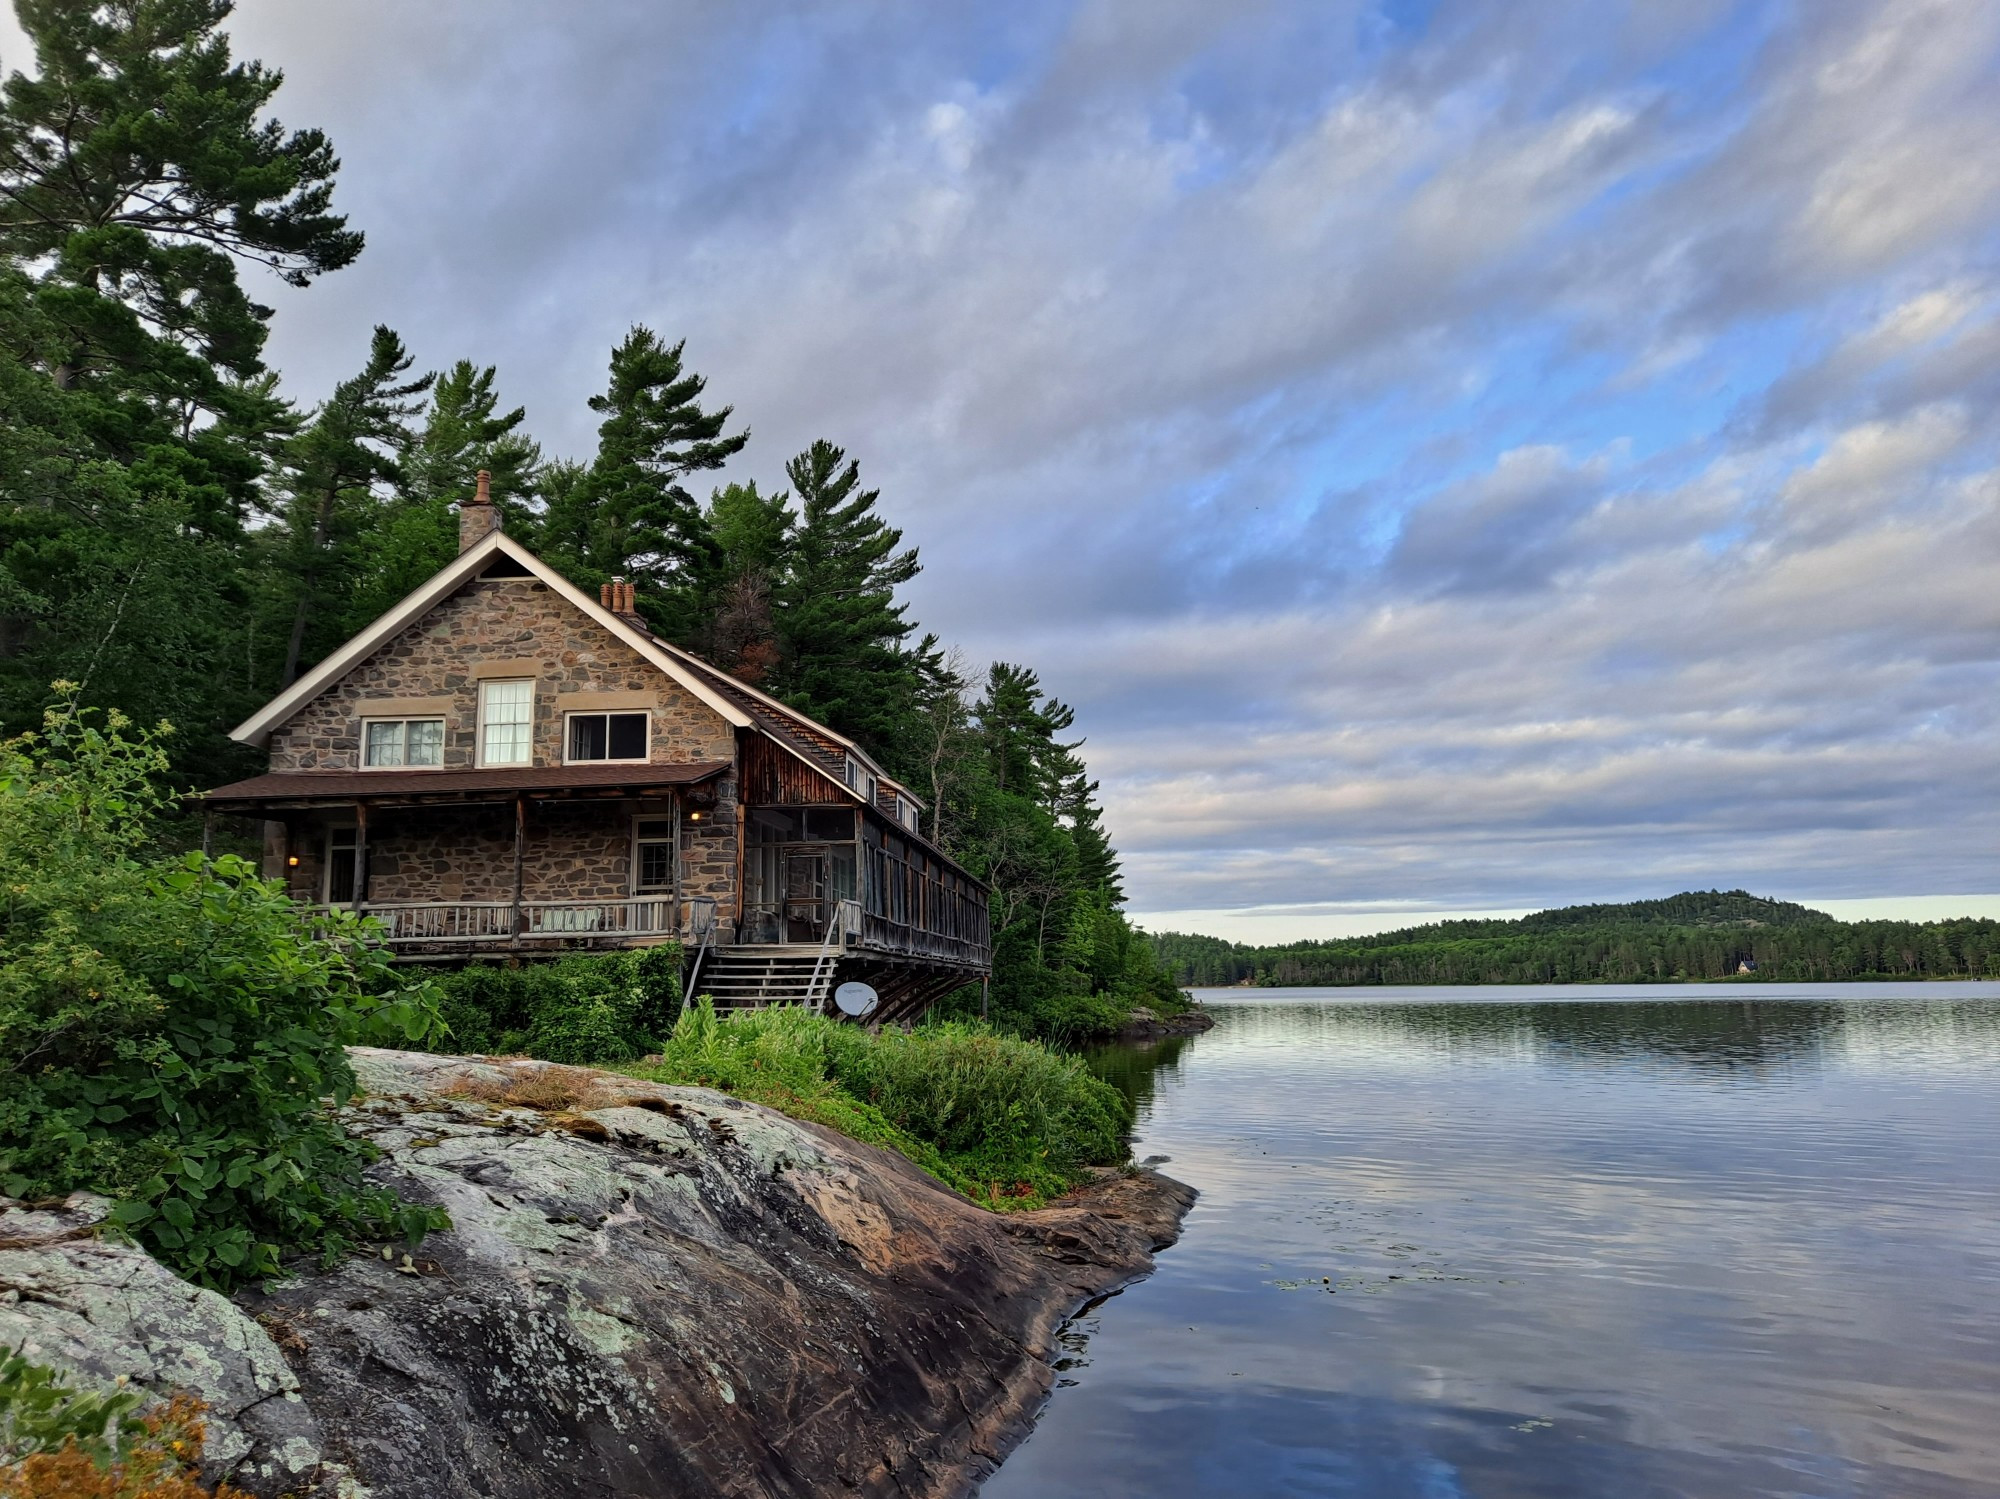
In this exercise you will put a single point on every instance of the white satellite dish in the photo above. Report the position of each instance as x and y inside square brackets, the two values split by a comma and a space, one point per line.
[858, 1000]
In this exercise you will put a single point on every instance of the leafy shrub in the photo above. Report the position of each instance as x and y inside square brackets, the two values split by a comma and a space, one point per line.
[1106, 971]
[41, 1411]
[172, 1031]
[590, 1007]
[1001, 1119]
[60, 1442]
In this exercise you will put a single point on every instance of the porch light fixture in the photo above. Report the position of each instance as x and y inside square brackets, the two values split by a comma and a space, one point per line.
[292, 862]
[694, 817]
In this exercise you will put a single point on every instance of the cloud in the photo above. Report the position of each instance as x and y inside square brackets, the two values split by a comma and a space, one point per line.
[1522, 454]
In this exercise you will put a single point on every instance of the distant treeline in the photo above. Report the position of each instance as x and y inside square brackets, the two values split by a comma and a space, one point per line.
[1705, 934]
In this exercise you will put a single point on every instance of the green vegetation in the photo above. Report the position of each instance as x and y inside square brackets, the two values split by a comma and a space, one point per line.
[42, 1411]
[59, 1441]
[171, 1027]
[1008, 1122]
[182, 539]
[1704, 934]
[588, 1008]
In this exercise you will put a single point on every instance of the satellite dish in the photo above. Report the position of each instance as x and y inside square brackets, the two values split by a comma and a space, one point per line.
[858, 1000]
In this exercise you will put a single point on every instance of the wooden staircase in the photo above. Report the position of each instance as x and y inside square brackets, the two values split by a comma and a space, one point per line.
[749, 978]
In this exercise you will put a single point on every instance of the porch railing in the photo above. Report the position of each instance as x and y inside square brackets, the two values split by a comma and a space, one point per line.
[493, 920]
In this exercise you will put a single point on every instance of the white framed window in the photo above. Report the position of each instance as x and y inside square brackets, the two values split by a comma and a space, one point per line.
[652, 855]
[402, 743]
[507, 723]
[858, 779]
[589, 737]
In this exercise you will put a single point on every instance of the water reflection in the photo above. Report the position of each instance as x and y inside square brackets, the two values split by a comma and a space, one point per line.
[1739, 1244]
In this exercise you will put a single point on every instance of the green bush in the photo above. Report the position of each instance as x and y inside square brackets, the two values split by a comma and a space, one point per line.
[590, 1007]
[41, 1411]
[1001, 1119]
[172, 1032]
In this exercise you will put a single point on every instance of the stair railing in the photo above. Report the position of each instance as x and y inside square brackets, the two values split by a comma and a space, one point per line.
[701, 913]
[822, 974]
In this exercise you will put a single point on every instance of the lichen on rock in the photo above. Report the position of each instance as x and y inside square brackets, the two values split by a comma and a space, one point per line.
[647, 1290]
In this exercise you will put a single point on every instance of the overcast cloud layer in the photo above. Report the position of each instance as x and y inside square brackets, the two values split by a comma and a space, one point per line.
[1451, 455]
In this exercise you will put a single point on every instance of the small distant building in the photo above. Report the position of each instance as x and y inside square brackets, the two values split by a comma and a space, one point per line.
[504, 766]
[1747, 965]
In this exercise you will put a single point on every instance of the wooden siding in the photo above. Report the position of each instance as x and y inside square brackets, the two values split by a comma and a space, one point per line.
[774, 777]
[915, 903]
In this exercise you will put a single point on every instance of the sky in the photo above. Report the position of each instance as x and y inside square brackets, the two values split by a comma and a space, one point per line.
[1454, 457]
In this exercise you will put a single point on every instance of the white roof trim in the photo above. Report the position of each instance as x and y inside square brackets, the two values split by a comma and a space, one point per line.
[426, 596]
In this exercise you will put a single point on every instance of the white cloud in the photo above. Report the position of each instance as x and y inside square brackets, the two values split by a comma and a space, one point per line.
[1540, 455]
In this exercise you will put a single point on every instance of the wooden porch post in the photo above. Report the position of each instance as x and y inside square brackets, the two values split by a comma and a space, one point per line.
[360, 857]
[207, 831]
[680, 928]
[520, 859]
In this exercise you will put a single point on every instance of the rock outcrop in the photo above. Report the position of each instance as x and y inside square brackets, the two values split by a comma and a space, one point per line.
[1147, 1024]
[647, 1291]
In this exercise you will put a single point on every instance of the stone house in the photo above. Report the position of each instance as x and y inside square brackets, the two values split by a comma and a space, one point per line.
[503, 765]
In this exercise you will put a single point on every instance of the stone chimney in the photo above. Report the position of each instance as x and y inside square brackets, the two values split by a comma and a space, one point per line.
[477, 516]
[621, 599]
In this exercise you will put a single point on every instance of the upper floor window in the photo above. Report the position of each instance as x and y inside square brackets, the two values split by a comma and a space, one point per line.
[607, 736]
[858, 779]
[506, 723]
[398, 743]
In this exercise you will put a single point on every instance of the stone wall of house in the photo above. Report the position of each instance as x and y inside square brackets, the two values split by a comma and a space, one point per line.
[577, 851]
[519, 621]
[573, 851]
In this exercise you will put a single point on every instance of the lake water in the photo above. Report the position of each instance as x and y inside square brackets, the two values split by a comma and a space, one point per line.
[1608, 1244]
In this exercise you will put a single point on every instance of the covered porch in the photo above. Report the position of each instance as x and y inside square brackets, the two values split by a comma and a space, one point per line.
[458, 862]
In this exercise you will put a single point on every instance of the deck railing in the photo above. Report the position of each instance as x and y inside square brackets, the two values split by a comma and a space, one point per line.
[493, 920]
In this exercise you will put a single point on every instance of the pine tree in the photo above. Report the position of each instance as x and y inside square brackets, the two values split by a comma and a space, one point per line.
[356, 441]
[135, 173]
[841, 630]
[416, 531]
[629, 513]
[137, 170]
[752, 533]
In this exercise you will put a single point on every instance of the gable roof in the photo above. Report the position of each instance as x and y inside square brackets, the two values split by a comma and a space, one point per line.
[740, 704]
[447, 581]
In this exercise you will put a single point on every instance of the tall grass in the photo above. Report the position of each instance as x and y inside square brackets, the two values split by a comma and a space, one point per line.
[1007, 1122]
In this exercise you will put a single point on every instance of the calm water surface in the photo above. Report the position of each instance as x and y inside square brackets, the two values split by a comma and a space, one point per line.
[1556, 1242]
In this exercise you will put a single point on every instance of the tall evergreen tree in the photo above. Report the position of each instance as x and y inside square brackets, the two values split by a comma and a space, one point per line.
[630, 513]
[841, 629]
[355, 442]
[416, 532]
[752, 534]
[136, 172]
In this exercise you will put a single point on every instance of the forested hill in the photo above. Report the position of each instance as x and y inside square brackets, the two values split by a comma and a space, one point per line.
[1699, 934]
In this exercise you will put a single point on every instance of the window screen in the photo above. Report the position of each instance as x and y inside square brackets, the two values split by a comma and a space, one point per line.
[506, 723]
